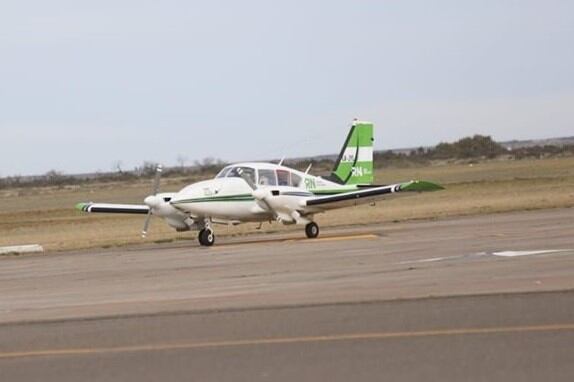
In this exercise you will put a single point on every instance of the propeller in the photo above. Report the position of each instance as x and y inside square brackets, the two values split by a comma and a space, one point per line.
[152, 200]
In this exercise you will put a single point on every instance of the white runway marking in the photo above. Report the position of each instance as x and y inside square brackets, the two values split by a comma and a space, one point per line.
[484, 254]
[528, 253]
[21, 249]
[432, 259]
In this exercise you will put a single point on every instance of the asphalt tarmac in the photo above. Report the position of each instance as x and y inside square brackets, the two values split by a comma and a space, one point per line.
[478, 298]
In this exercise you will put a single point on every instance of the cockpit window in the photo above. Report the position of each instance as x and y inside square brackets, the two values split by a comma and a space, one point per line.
[223, 172]
[267, 178]
[236, 172]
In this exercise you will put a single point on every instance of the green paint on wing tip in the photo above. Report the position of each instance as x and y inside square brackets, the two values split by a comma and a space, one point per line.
[81, 206]
[420, 186]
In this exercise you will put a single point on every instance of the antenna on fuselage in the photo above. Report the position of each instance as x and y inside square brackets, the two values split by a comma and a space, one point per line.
[309, 168]
[281, 161]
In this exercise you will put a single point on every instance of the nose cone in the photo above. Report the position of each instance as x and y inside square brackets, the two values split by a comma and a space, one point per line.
[153, 201]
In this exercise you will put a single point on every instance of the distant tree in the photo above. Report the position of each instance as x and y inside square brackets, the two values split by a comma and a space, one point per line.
[181, 160]
[147, 169]
[207, 162]
[15, 180]
[11, 181]
[55, 178]
[117, 166]
[417, 153]
[208, 165]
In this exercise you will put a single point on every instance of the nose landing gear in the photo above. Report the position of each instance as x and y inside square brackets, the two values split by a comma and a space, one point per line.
[206, 237]
[312, 230]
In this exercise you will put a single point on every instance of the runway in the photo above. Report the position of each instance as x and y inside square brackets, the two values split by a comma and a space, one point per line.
[518, 337]
[476, 298]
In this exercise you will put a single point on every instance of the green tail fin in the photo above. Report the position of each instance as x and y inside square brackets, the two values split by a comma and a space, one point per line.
[355, 163]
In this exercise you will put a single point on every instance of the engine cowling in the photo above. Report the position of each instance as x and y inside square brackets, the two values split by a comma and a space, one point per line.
[284, 203]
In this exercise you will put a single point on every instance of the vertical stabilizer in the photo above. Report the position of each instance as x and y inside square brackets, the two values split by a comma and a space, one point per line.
[355, 162]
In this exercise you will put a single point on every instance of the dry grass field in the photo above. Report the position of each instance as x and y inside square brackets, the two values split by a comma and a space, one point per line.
[47, 216]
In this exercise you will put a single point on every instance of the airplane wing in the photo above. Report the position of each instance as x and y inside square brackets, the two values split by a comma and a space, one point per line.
[113, 208]
[353, 198]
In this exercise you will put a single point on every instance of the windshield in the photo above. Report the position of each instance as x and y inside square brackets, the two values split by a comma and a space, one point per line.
[223, 172]
[246, 171]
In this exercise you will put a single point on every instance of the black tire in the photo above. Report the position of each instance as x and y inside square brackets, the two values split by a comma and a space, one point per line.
[206, 237]
[312, 230]
[200, 237]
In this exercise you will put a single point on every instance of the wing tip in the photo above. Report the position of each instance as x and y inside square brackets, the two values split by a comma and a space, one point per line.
[83, 206]
[421, 186]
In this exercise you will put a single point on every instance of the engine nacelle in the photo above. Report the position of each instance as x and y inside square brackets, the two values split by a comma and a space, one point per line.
[284, 203]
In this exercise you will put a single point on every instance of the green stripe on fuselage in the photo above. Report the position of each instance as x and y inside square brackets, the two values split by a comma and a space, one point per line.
[222, 198]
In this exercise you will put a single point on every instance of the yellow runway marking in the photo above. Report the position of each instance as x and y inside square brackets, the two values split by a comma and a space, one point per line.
[286, 340]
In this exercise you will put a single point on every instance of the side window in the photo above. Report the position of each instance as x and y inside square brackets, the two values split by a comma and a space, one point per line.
[296, 180]
[267, 178]
[283, 178]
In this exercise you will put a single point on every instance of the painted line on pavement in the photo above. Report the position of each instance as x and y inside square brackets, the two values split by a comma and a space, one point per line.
[288, 340]
[490, 254]
[529, 253]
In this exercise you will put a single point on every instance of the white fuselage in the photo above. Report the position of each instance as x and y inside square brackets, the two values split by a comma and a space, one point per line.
[230, 199]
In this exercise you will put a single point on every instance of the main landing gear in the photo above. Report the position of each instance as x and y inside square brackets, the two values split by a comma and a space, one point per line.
[206, 237]
[312, 230]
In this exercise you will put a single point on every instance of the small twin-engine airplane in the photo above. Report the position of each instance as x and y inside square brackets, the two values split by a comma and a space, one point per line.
[260, 192]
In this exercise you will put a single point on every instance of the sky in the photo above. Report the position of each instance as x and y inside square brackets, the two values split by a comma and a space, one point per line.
[85, 84]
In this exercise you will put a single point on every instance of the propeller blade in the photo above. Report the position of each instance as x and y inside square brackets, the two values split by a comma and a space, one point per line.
[155, 190]
[269, 208]
[146, 224]
[156, 180]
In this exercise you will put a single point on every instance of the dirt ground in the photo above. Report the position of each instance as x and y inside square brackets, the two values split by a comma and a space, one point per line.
[46, 216]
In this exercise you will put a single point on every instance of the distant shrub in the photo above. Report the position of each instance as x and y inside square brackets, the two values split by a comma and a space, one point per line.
[542, 151]
[478, 146]
[469, 149]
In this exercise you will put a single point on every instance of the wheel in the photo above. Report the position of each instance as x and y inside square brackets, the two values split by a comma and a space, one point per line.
[206, 237]
[312, 230]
